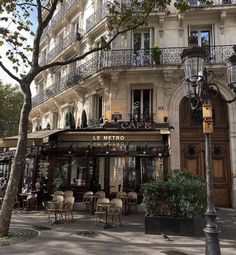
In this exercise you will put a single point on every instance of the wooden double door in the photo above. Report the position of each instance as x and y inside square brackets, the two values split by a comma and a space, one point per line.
[192, 146]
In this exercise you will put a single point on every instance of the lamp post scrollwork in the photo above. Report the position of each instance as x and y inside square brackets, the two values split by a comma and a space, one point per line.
[201, 91]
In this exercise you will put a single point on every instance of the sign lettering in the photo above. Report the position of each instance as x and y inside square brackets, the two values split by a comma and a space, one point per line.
[136, 125]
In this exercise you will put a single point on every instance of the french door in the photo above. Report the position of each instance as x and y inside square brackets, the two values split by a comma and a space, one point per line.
[192, 147]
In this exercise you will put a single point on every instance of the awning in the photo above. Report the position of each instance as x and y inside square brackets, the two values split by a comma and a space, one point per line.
[35, 138]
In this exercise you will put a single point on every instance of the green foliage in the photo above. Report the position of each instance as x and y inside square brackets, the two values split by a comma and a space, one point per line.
[70, 120]
[183, 193]
[15, 30]
[11, 101]
[84, 123]
[6, 240]
[156, 53]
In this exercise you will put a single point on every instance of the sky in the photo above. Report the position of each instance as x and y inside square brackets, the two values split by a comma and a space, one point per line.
[3, 75]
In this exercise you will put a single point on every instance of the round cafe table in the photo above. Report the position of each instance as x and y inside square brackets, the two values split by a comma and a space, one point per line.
[106, 205]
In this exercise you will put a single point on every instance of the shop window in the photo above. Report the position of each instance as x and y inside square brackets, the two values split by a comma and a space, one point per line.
[79, 171]
[60, 177]
[141, 105]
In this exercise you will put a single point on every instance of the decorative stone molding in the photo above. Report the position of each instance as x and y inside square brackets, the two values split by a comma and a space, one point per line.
[80, 94]
[114, 79]
[57, 104]
[180, 18]
[168, 84]
[222, 22]
[161, 19]
[89, 41]
[101, 80]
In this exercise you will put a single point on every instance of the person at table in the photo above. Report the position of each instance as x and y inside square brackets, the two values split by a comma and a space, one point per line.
[3, 185]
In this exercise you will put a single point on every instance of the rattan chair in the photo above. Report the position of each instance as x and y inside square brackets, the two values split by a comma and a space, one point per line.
[2, 194]
[67, 208]
[68, 193]
[30, 202]
[101, 210]
[120, 194]
[132, 201]
[58, 192]
[54, 206]
[100, 194]
[88, 199]
[115, 210]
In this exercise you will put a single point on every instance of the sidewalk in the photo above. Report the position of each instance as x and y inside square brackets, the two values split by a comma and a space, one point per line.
[38, 237]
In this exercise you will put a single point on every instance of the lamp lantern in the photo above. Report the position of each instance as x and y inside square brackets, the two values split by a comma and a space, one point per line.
[231, 70]
[193, 62]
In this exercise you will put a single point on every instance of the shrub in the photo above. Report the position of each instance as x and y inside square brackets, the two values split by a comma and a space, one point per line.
[183, 195]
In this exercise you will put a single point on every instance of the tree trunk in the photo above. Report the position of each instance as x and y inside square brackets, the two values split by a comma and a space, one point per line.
[18, 165]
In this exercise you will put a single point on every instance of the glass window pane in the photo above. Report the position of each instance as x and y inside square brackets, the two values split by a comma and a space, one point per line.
[205, 38]
[137, 41]
[146, 40]
[146, 103]
[136, 103]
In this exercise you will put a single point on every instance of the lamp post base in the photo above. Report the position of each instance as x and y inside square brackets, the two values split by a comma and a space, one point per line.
[211, 232]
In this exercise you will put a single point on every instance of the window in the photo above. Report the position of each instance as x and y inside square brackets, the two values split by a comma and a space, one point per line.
[97, 117]
[141, 105]
[205, 38]
[142, 42]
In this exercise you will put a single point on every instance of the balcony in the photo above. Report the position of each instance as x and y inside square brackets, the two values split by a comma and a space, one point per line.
[96, 17]
[127, 59]
[199, 3]
[59, 15]
[67, 41]
[141, 117]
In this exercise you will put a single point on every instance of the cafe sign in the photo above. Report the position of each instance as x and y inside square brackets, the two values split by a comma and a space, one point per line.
[136, 125]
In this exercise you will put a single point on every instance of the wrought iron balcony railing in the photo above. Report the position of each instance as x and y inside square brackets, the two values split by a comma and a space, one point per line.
[141, 117]
[199, 3]
[65, 6]
[96, 17]
[67, 40]
[127, 59]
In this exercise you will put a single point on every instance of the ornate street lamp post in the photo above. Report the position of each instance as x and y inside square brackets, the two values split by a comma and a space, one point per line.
[201, 92]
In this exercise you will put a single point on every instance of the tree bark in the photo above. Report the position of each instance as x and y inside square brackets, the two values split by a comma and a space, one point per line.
[18, 165]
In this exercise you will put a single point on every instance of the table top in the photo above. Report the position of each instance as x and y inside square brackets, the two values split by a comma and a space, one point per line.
[25, 194]
[122, 196]
[106, 204]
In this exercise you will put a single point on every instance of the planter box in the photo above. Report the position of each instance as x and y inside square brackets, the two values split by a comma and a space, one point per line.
[174, 225]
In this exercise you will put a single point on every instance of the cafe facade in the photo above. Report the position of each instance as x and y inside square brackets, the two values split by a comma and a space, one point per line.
[99, 159]
[118, 118]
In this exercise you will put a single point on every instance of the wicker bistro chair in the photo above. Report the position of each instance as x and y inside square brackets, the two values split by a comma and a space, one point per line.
[2, 194]
[54, 206]
[121, 194]
[115, 210]
[101, 211]
[88, 199]
[124, 197]
[100, 194]
[67, 208]
[132, 200]
[58, 192]
[68, 193]
[30, 201]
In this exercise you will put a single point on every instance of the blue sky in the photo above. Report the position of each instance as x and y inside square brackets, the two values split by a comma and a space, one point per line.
[3, 75]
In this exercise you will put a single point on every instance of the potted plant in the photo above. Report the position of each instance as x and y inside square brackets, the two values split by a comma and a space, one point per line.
[84, 123]
[70, 120]
[155, 54]
[176, 205]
